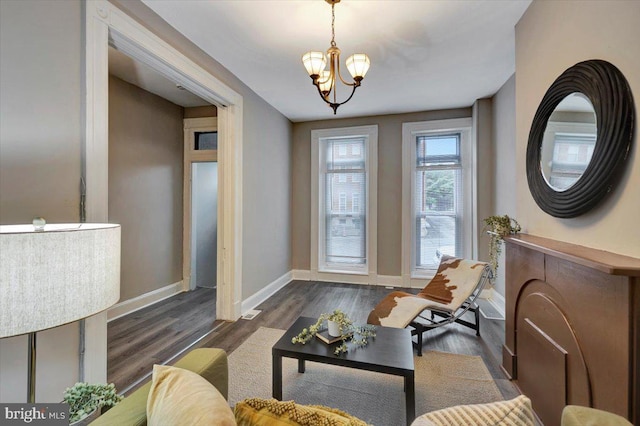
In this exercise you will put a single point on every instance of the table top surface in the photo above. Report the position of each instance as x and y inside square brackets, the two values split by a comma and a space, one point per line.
[390, 349]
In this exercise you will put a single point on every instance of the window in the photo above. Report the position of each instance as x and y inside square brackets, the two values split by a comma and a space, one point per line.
[342, 205]
[205, 141]
[437, 194]
[343, 200]
[355, 203]
[566, 152]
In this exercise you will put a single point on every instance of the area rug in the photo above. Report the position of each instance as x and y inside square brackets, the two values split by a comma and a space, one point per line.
[441, 380]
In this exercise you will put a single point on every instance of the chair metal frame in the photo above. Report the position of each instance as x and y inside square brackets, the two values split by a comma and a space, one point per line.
[445, 317]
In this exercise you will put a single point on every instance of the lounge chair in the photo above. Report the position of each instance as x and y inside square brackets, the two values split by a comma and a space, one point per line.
[448, 296]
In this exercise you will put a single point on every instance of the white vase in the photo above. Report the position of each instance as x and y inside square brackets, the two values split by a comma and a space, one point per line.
[334, 328]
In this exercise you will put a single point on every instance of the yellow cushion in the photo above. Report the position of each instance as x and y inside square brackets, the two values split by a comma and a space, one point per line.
[574, 415]
[271, 412]
[180, 397]
[515, 412]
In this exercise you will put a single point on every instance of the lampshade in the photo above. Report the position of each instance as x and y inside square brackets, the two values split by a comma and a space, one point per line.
[314, 62]
[358, 65]
[325, 82]
[56, 276]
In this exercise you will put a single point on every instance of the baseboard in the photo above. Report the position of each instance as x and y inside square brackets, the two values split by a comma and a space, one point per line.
[336, 277]
[142, 301]
[390, 281]
[333, 277]
[301, 274]
[254, 300]
[487, 293]
[498, 302]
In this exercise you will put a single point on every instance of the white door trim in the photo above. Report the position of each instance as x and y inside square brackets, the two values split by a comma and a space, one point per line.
[106, 24]
[190, 126]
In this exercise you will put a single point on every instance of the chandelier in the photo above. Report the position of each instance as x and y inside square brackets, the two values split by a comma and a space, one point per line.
[325, 80]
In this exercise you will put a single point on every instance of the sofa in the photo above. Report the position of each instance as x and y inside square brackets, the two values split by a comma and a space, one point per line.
[209, 367]
[209, 363]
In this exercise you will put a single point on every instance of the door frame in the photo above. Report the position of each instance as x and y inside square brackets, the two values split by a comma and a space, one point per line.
[192, 125]
[106, 25]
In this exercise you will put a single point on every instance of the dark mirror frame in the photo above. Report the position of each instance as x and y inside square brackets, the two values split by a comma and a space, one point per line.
[611, 97]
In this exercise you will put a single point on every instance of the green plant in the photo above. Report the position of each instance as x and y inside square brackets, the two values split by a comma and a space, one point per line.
[347, 331]
[498, 227]
[83, 398]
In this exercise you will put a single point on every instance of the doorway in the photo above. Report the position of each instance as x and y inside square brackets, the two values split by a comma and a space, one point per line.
[106, 25]
[201, 208]
[204, 224]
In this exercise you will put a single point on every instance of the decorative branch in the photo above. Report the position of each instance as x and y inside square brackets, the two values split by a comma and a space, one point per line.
[347, 331]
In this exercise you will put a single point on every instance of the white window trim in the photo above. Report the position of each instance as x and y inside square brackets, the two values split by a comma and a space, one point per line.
[369, 270]
[410, 277]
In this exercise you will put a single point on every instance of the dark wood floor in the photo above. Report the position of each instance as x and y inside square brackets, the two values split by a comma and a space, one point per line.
[280, 311]
[157, 334]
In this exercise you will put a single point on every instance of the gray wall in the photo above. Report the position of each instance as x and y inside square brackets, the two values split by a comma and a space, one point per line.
[201, 111]
[266, 186]
[145, 186]
[41, 130]
[389, 183]
[551, 37]
[504, 165]
[483, 127]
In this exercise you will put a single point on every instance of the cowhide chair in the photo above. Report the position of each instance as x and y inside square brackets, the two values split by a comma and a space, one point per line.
[448, 296]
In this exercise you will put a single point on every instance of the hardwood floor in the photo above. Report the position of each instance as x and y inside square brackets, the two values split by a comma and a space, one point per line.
[280, 311]
[156, 335]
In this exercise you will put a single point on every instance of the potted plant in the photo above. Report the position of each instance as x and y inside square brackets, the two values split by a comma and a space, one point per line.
[498, 227]
[85, 401]
[340, 325]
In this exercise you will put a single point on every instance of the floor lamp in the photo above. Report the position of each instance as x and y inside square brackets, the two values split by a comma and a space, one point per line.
[55, 274]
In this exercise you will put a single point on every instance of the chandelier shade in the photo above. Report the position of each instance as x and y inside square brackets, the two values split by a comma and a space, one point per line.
[325, 79]
[358, 65]
[314, 62]
[325, 82]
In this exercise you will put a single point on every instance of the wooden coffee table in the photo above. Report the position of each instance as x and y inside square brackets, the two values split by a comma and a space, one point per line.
[390, 352]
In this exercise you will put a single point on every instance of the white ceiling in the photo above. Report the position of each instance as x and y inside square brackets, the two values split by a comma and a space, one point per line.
[425, 54]
[141, 75]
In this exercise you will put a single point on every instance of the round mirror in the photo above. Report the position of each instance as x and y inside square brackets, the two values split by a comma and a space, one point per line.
[568, 142]
[580, 139]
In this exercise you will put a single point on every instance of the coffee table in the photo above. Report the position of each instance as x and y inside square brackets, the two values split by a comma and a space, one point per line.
[390, 352]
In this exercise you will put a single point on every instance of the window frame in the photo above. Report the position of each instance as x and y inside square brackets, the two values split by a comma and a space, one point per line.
[319, 268]
[412, 276]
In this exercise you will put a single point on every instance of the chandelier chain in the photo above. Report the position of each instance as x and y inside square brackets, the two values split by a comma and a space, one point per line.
[325, 80]
[333, 22]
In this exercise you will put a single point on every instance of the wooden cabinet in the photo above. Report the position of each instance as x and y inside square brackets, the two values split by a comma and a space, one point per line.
[572, 327]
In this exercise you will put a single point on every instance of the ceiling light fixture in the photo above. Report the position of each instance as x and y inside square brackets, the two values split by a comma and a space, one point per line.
[325, 80]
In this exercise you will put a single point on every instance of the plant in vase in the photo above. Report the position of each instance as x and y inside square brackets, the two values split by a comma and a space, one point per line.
[85, 399]
[498, 227]
[342, 327]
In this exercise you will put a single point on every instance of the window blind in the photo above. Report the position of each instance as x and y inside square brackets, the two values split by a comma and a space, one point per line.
[344, 169]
